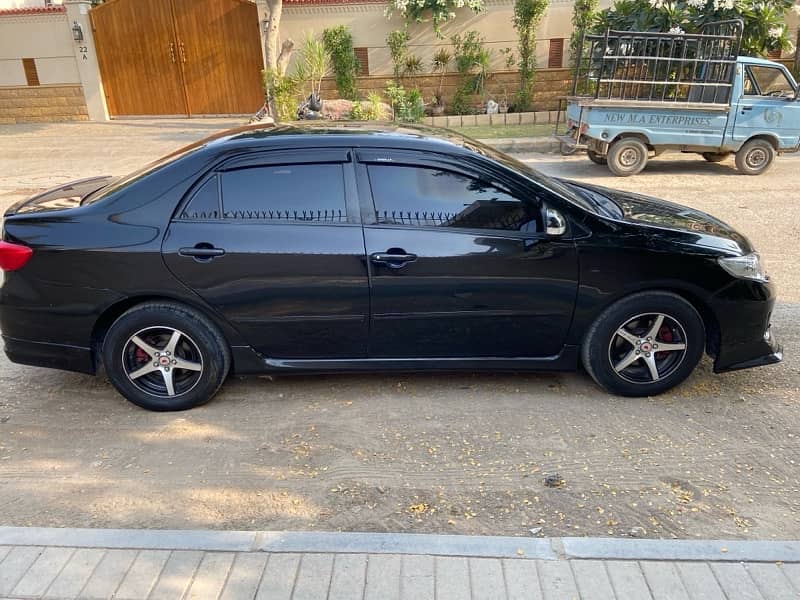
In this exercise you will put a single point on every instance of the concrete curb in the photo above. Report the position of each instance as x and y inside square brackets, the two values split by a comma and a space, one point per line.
[542, 145]
[405, 543]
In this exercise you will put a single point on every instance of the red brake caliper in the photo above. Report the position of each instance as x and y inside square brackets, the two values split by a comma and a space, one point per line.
[141, 356]
[664, 335]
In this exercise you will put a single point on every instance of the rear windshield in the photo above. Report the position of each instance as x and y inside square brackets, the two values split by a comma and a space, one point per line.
[121, 182]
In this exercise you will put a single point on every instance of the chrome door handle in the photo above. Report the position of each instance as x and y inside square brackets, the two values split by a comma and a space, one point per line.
[394, 261]
[202, 252]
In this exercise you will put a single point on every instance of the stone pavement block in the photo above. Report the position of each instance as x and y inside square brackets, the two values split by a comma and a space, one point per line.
[522, 580]
[349, 576]
[592, 580]
[314, 577]
[75, 574]
[244, 577]
[771, 581]
[627, 579]
[176, 575]
[211, 576]
[416, 577]
[699, 581]
[15, 564]
[279, 576]
[42, 572]
[4, 550]
[735, 581]
[486, 578]
[663, 580]
[556, 580]
[792, 572]
[383, 577]
[142, 575]
[108, 574]
[452, 578]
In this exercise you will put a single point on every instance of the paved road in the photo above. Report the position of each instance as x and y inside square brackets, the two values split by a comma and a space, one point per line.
[466, 453]
[196, 565]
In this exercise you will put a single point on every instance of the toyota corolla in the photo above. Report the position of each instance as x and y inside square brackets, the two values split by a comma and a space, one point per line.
[335, 249]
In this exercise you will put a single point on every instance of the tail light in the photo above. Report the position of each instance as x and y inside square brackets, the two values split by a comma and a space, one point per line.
[13, 256]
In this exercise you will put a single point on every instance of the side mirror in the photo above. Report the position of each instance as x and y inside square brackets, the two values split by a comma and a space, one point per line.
[554, 222]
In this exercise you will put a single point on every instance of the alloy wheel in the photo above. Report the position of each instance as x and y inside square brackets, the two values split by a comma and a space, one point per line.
[647, 348]
[162, 361]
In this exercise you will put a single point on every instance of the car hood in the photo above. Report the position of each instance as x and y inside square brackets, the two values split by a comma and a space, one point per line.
[645, 210]
[62, 197]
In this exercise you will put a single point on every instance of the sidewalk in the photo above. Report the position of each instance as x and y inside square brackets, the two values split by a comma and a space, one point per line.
[137, 564]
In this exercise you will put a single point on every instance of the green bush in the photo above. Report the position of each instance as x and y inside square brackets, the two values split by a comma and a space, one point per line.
[282, 94]
[372, 111]
[338, 43]
[527, 16]
[407, 105]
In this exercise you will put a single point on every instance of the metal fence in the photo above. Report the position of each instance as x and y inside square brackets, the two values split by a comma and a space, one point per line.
[657, 66]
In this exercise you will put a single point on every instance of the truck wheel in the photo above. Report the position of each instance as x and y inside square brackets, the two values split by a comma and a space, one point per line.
[627, 156]
[755, 157]
[715, 157]
[596, 158]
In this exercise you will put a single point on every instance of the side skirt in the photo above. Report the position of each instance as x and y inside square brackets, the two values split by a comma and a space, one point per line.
[247, 361]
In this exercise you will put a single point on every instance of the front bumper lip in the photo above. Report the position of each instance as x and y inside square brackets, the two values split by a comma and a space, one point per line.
[766, 351]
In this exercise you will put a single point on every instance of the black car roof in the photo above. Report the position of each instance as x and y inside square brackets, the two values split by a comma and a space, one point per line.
[324, 133]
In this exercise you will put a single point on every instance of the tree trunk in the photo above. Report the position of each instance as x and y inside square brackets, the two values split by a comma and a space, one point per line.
[272, 33]
[797, 54]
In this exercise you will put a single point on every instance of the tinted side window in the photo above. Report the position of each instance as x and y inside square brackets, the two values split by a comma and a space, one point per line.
[205, 202]
[285, 192]
[426, 197]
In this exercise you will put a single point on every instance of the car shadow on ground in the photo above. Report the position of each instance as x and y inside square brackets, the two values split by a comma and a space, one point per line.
[658, 166]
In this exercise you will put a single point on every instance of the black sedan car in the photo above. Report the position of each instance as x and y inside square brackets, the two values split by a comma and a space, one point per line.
[351, 248]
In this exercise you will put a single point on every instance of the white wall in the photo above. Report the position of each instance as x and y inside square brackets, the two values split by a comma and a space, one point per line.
[44, 37]
[5, 4]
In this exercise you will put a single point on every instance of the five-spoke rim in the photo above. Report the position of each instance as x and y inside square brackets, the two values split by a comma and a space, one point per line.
[162, 361]
[647, 348]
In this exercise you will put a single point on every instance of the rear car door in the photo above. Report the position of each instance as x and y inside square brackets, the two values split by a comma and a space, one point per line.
[767, 106]
[458, 261]
[273, 242]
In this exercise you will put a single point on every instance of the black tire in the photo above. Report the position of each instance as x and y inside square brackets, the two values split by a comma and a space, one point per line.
[627, 157]
[715, 157]
[617, 362]
[596, 158]
[195, 342]
[755, 157]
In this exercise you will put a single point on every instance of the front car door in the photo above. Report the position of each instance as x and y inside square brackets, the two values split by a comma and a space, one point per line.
[767, 106]
[458, 261]
[273, 242]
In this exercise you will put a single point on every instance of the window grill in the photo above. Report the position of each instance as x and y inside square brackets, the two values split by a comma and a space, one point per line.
[656, 66]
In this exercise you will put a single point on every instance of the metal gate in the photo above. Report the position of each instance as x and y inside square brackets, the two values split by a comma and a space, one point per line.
[179, 57]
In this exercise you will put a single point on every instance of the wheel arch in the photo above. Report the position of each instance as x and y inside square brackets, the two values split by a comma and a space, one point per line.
[710, 322]
[767, 137]
[633, 135]
[113, 312]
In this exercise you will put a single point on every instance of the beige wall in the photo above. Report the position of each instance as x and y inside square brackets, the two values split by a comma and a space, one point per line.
[44, 37]
[370, 26]
[5, 4]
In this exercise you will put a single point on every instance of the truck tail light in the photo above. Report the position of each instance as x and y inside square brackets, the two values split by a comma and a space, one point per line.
[13, 256]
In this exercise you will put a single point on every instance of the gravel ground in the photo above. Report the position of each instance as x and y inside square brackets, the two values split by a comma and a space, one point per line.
[465, 453]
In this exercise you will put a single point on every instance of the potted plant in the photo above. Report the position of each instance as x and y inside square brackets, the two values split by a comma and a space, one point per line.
[441, 60]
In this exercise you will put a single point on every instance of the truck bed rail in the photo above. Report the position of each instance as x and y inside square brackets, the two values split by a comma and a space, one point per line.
[692, 68]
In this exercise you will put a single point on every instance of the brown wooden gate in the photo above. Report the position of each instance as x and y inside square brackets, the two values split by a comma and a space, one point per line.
[179, 57]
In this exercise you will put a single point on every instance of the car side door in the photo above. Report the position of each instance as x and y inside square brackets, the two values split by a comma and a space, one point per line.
[767, 106]
[459, 263]
[273, 242]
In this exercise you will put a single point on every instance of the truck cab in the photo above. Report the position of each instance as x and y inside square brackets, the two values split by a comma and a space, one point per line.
[766, 103]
